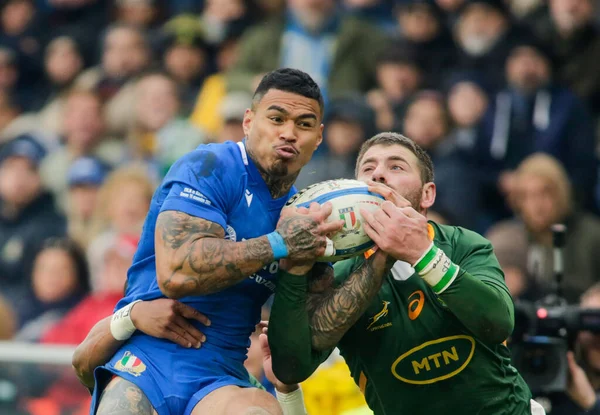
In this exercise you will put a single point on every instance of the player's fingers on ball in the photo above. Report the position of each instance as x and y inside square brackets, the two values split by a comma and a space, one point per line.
[390, 209]
[331, 227]
[301, 210]
[380, 215]
[262, 324]
[372, 233]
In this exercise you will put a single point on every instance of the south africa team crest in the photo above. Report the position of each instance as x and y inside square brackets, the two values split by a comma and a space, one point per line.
[131, 364]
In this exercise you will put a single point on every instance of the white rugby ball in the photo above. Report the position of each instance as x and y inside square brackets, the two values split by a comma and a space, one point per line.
[347, 197]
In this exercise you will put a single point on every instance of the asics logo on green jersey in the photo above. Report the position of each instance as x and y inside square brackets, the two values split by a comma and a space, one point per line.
[435, 360]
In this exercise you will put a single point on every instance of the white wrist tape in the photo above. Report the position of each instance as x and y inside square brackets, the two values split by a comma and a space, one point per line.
[291, 403]
[436, 269]
[121, 326]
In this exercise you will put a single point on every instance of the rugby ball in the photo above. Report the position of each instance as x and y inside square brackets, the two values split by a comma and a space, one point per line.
[348, 197]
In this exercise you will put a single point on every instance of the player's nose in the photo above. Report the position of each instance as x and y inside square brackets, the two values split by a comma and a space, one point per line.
[287, 132]
[378, 175]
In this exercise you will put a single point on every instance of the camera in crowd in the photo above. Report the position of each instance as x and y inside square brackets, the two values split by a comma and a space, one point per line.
[545, 330]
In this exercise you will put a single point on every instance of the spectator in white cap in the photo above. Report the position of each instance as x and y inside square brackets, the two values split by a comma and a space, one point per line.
[85, 177]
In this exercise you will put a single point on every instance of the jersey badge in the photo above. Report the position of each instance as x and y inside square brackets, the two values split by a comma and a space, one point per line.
[383, 313]
[131, 364]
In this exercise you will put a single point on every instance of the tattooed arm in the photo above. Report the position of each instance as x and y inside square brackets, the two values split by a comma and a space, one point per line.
[193, 258]
[309, 315]
[332, 311]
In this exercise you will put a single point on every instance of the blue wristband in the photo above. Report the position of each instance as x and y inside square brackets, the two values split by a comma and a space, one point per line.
[278, 245]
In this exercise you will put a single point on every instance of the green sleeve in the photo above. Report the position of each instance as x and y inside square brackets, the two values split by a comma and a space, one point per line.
[293, 357]
[478, 297]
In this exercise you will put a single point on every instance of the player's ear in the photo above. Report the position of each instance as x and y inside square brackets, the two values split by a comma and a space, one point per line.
[320, 137]
[428, 195]
[247, 123]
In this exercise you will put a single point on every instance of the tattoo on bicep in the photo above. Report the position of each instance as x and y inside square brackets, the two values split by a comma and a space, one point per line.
[178, 228]
[202, 260]
[336, 311]
[122, 397]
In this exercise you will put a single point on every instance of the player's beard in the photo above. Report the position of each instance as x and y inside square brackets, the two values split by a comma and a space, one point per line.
[276, 176]
[414, 197]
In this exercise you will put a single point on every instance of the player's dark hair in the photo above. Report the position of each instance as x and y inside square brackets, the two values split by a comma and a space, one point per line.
[390, 139]
[289, 80]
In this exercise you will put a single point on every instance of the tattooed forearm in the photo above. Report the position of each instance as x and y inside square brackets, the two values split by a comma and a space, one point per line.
[193, 258]
[333, 311]
[122, 397]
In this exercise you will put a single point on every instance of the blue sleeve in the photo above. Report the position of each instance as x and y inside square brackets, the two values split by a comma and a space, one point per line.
[200, 185]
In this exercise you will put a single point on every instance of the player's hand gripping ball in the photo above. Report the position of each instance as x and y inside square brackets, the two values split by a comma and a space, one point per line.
[347, 198]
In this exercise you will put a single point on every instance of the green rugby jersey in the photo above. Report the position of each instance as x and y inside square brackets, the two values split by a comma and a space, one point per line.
[411, 355]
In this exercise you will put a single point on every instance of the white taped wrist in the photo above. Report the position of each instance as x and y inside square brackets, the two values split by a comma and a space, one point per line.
[121, 325]
[291, 403]
[436, 269]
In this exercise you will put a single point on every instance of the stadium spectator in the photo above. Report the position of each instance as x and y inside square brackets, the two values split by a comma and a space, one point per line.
[221, 17]
[159, 136]
[535, 114]
[115, 256]
[542, 197]
[63, 63]
[422, 29]
[348, 123]
[21, 32]
[144, 14]
[27, 214]
[84, 129]
[207, 111]
[8, 113]
[398, 77]
[451, 10]
[125, 55]
[123, 202]
[484, 36]
[9, 78]
[510, 246]
[59, 281]
[570, 27]
[314, 25]
[186, 59]
[84, 178]
[378, 12]
[427, 122]
[233, 108]
[81, 20]
[467, 100]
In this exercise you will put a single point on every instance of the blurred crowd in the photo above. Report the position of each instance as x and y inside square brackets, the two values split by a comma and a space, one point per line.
[99, 98]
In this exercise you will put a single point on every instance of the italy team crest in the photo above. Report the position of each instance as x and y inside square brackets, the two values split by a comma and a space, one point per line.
[348, 216]
[131, 364]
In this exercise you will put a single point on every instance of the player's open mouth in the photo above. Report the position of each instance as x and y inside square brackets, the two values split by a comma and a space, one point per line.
[286, 152]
